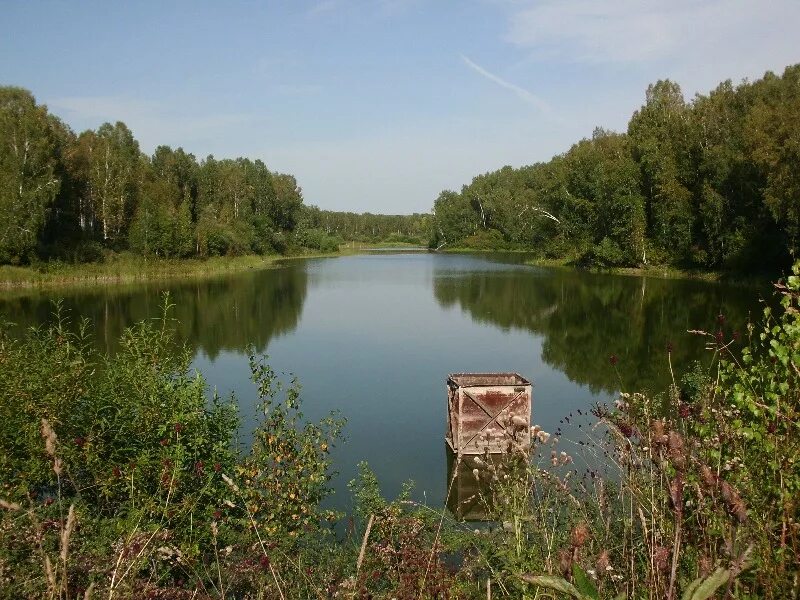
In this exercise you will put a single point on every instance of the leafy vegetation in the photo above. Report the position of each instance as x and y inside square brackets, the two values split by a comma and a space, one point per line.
[371, 228]
[707, 183]
[120, 476]
[82, 198]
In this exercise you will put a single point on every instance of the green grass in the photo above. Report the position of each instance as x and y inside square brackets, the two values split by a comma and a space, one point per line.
[659, 271]
[128, 268]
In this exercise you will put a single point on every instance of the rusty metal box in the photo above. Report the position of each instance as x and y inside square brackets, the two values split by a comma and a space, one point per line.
[488, 412]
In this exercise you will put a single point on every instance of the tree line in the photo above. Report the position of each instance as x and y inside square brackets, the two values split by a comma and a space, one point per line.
[369, 227]
[708, 183]
[75, 197]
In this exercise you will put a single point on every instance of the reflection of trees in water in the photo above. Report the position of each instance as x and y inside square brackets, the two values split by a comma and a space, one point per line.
[584, 318]
[224, 313]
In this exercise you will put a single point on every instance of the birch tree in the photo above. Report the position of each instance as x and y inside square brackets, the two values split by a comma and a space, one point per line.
[28, 183]
[113, 162]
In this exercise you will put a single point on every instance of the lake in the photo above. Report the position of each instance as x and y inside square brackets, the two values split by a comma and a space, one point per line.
[374, 336]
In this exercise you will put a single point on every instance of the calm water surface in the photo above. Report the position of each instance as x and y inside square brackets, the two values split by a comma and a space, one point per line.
[374, 337]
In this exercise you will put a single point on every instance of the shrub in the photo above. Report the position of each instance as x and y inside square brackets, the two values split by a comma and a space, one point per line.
[146, 464]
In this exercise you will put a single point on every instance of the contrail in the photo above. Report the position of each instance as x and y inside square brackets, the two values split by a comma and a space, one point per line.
[521, 92]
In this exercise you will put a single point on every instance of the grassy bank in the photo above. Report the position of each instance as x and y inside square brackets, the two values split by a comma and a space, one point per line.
[659, 271]
[128, 268]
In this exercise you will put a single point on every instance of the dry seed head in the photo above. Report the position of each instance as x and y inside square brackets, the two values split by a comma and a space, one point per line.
[230, 483]
[9, 505]
[51, 576]
[565, 562]
[579, 535]
[661, 558]
[676, 453]
[657, 429]
[49, 437]
[708, 477]
[67, 532]
[733, 501]
[603, 564]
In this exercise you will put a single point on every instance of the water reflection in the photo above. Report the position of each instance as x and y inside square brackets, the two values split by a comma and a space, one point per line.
[374, 337]
[468, 486]
[584, 318]
[212, 316]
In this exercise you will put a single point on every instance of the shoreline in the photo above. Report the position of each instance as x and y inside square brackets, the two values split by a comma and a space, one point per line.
[662, 272]
[126, 270]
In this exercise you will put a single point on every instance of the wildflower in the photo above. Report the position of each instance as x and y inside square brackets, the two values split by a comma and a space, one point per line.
[669, 347]
[579, 535]
[543, 437]
[721, 319]
[264, 562]
[80, 442]
[217, 467]
[198, 468]
[217, 515]
[164, 442]
[684, 411]
[178, 427]
[613, 360]
[117, 472]
[720, 337]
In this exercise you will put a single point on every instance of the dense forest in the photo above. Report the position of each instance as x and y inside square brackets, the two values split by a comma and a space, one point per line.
[712, 183]
[368, 227]
[76, 198]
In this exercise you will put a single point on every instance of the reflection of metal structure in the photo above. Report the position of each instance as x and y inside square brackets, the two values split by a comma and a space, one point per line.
[488, 412]
[469, 486]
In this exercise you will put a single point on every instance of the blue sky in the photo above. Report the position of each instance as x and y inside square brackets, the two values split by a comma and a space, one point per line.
[379, 105]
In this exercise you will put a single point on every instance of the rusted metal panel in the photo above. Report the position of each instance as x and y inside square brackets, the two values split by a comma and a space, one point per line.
[488, 412]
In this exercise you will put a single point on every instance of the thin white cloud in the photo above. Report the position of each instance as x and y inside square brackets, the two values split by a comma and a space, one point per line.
[320, 8]
[699, 42]
[519, 91]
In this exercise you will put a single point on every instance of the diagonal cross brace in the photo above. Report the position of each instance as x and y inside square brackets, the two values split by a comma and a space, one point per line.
[492, 418]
